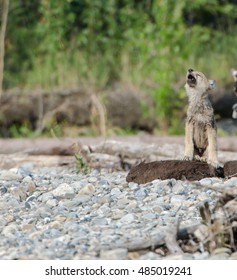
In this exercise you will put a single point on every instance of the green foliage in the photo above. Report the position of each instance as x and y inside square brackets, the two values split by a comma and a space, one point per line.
[150, 44]
[81, 166]
[22, 131]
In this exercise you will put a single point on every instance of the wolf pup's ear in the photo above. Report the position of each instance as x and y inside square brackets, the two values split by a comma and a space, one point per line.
[212, 84]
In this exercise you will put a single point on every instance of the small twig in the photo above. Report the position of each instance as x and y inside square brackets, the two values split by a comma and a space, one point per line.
[171, 239]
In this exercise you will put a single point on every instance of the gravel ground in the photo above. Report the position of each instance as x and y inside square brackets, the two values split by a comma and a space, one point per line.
[49, 211]
[56, 213]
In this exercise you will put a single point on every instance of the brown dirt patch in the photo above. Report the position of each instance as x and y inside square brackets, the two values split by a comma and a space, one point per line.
[230, 168]
[177, 169]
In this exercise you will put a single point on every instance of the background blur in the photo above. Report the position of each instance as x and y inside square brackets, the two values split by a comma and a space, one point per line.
[106, 67]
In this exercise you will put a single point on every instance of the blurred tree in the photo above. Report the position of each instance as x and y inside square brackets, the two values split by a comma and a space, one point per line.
[4, 13]
[147, 43]
[21, 41]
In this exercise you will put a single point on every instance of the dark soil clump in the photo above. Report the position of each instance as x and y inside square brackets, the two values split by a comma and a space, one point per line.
[230, 169]
[167, 169]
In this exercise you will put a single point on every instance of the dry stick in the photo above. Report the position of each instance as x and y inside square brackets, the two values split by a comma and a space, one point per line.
[171, 239]
[4, 14]
[101, 111]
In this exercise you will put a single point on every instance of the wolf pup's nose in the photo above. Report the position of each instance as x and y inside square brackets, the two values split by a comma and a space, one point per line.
[190, 70]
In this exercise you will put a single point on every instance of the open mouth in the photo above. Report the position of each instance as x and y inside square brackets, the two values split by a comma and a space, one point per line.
[191, 80]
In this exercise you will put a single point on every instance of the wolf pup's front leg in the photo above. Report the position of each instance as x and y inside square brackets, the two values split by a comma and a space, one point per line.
[189, 148]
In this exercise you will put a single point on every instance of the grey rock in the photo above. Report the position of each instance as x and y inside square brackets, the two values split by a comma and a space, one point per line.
[149, 216]
[115, 191]
[99, 221]
[222, 256]
[92, 180]
[201, 256]
[141, 193]
[64, 191]
[116, 254]
[150, 256]
[10, 231]
[177, 200]
[81, 199]
[88, 189]
[46, 196]
[183, 256]
[3, 222]
[52, 203]
[206, 182]
[117, 214]
[232, 182]
[122, 203]
[128, 218]
[10, 175]
[178, 188]
[133, 186]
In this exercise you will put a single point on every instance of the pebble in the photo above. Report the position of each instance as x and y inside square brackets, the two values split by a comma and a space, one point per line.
[128, 218]
[232, 182]
[177, 200]
[178, 188]
[87, 189]
[9, 175]
[206, 182]
[54, 213]
[116, 254]
[64, 190]
[115, 191]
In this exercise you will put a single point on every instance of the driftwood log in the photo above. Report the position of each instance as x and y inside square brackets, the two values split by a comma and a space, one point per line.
[179, 170]
[41, 110]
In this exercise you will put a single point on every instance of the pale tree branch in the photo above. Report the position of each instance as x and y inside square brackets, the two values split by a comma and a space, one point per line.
[4, 13]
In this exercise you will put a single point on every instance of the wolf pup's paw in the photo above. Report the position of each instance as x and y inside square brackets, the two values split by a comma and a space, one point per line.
[188, 158]
[215, 164]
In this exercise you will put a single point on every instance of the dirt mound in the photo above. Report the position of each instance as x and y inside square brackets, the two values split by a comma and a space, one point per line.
[178, 169]
[230, 168]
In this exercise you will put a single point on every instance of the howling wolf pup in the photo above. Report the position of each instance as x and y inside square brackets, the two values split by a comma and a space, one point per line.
[234, 74]
[200, 128]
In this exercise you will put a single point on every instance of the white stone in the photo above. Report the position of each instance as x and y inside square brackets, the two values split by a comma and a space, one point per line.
[64, 191]
[8, 175]
[115, 191]
[206, 182]
[115, 254]
[87, 189]
[177, 199]
[128, 218]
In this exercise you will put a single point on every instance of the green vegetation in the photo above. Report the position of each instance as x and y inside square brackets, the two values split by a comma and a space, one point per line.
[81, 166]
[147, 43]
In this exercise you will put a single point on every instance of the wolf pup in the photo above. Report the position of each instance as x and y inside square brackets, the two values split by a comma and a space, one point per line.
[200, 128]
[234, 74]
